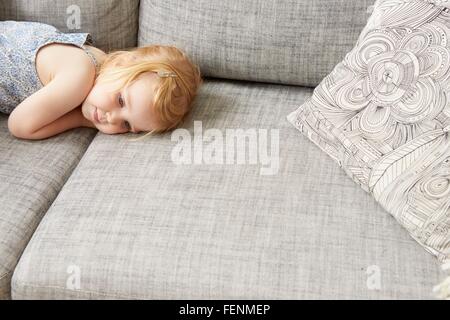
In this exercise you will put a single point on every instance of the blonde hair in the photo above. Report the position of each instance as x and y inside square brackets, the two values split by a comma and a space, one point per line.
[174, 95]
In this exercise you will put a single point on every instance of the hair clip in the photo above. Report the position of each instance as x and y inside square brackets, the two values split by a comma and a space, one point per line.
[166, 74]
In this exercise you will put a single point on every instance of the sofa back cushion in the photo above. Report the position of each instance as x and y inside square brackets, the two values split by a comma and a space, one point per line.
[280, 41]
[113, 24]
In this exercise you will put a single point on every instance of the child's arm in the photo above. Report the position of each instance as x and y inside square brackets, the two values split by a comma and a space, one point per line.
[71, 120]
[49, 111]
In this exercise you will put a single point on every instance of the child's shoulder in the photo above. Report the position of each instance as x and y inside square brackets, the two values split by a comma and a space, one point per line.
[57, 58]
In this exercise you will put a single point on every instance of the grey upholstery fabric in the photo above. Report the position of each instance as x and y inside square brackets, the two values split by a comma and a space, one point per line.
[383, 115]
[129, 223]
[31, 175]
[112, 23]
[279, 41]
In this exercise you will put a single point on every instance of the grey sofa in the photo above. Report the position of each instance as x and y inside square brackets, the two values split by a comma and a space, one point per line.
[85, 215]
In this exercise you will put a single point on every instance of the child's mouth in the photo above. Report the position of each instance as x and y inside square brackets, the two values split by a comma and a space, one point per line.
[96, 116]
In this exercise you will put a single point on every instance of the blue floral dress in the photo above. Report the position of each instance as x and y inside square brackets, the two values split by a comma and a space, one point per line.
[19, 43]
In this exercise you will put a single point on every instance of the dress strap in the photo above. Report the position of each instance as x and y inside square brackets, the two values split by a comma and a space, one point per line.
[94, 60]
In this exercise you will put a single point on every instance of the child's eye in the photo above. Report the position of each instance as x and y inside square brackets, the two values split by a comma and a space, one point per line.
[121, 100]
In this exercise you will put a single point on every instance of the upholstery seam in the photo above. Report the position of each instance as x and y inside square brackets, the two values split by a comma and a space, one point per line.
[3, 276]
[23, 284]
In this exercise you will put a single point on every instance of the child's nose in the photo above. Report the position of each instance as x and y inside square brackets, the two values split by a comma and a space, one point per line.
[112, 117]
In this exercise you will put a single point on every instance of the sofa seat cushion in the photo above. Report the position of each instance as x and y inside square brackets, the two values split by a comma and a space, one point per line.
[31, 175]
[133, 223]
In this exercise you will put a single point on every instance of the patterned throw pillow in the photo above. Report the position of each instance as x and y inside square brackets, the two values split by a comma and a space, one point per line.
[383, 114]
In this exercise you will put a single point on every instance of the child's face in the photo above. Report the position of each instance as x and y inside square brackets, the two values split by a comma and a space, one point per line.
[128, 110]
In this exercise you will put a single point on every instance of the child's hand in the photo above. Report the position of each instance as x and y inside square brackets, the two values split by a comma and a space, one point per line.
[85, 122]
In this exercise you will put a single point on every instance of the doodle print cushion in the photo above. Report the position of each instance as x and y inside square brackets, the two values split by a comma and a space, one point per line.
[383, 114]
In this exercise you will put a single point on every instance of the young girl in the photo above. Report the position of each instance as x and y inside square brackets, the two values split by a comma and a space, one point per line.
[51, 82]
